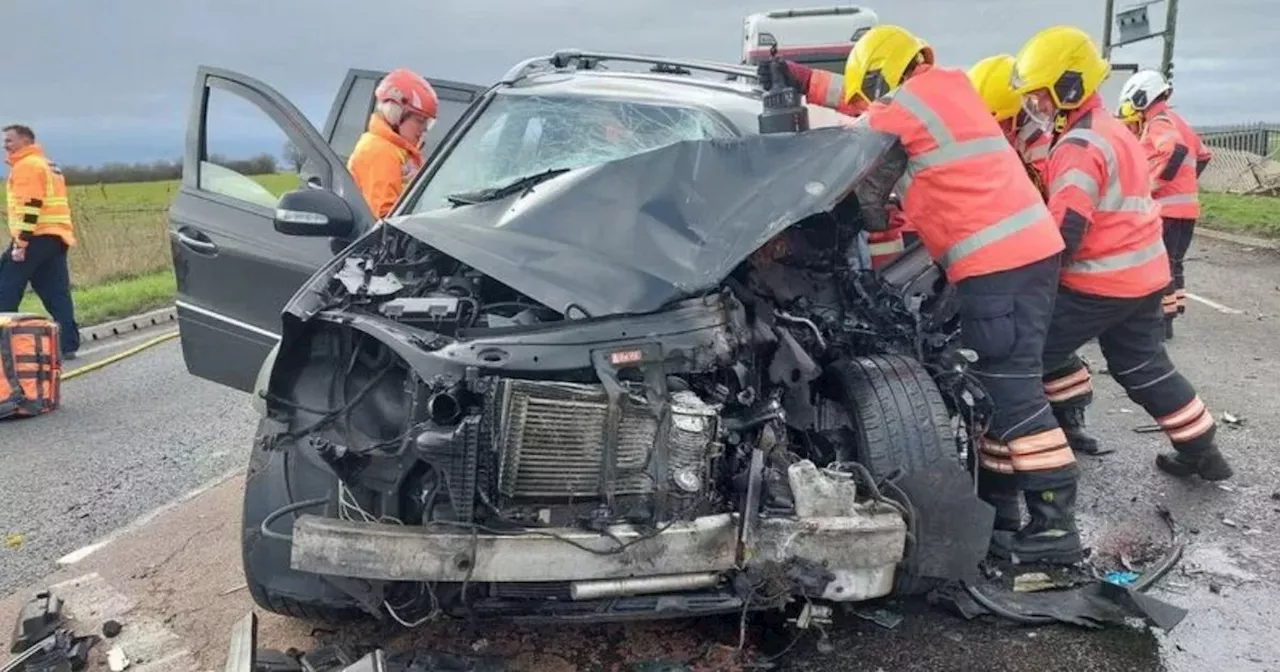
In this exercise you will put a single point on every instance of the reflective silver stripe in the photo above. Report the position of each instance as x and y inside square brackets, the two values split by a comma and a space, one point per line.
[1038, 152]
[1118, 262]
[932, 122]
[1178, 199]
[877, 249]
[1002, 229]
[835, 94]
[1111, 199]
[947, 153]
[1076, 178]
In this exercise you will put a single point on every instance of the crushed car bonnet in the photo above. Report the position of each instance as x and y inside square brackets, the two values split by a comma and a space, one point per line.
[628, 236]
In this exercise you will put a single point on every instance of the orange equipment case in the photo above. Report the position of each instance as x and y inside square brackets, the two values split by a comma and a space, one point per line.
[30, 365]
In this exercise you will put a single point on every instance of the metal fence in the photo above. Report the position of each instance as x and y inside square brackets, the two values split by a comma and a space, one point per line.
[1246, 158]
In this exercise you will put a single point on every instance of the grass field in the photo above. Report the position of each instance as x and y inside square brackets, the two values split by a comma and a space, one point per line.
[1253, 215]
[122, 265]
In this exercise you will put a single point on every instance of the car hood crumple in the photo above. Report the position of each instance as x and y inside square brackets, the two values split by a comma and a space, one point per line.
[631, 235]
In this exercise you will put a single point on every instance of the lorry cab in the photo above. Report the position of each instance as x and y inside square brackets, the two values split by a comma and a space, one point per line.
[819, 37]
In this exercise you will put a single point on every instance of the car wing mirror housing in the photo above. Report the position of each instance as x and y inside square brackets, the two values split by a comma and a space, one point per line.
[314, 212]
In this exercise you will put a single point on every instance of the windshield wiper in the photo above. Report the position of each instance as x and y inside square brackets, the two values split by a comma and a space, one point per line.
[495, 193]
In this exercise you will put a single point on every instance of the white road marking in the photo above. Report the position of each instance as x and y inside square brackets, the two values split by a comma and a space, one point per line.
[81, 553]
[1214, 304]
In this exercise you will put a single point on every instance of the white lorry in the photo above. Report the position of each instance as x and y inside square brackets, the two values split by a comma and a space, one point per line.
[819, 37]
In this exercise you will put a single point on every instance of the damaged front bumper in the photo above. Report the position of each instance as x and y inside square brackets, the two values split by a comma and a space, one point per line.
[857, 547]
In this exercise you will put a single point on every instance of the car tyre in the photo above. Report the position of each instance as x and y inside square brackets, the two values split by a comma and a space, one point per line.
[899, 421]
[273, 584]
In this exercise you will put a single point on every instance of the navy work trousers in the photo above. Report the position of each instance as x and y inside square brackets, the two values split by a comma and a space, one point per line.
[45, 269]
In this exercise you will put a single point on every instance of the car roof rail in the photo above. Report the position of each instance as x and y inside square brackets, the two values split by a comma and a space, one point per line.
[588, 60]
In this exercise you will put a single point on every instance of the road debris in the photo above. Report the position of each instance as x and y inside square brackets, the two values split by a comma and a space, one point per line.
[14, 541]
[117, 661]
[1122, 578]
[42, 644]
[1033, 582]
[881, 617]
[1232, 420]
[111, 628]
[39, 618]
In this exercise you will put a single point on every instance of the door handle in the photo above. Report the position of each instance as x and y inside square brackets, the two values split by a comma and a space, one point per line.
[197, 242]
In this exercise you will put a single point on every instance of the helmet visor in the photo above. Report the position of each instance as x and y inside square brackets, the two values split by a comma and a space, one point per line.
[1039, 107]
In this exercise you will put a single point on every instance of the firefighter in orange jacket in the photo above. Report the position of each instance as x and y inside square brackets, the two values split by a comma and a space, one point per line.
[985, 223]
[390, 151]
[1176, 157]
[1115, 268]
[825, 88]
[41, 233]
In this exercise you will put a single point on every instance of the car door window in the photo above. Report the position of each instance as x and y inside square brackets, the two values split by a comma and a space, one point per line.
[520, 134]
[244, 153]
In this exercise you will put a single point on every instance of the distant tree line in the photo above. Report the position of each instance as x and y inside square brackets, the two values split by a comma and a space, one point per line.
[114, 173]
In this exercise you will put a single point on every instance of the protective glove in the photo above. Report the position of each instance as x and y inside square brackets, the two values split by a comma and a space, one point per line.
[764, 73]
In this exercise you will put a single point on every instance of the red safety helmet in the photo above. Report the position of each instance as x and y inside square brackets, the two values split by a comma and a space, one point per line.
[408, 90]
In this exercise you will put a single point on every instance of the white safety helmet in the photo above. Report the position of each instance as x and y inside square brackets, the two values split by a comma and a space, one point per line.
[1143, 88]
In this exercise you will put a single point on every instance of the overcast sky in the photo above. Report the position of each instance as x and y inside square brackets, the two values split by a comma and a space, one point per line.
[112, 80]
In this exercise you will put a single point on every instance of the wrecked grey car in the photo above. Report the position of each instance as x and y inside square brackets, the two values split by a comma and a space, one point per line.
[660, 384]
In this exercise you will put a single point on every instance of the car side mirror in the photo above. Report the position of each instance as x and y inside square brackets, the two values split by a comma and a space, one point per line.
[314, 212]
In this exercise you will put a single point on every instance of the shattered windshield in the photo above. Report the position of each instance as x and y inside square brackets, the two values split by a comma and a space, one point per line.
[519, 136]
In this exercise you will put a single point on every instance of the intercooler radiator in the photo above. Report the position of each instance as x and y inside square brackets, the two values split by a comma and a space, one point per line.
[550, 440]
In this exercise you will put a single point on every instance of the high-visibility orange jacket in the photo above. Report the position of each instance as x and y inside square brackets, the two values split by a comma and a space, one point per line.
[36, 200]
[381, 163]
[1100, 193]
[827, 89]
[965, 189]
[1175, 156]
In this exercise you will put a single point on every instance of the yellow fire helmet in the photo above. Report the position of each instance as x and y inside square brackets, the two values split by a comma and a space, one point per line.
[879, 59]
[1062, 60]
[990, 77]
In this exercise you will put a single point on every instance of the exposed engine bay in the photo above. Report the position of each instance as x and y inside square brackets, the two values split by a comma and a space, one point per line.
[496, 452]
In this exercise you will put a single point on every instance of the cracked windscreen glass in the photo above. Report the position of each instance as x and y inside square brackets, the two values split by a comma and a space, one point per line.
[520, 135]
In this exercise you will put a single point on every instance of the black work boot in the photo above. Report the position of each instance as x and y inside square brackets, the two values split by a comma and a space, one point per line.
[1207, 464]
[1001, 491]
[1071, 420]
[1051, 536]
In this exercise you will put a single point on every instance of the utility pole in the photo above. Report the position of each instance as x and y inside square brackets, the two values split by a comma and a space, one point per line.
[1106, 29]
[1135, 27]
[1170, 21]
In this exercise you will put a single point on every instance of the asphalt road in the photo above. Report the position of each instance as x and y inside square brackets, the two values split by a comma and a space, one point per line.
[128, 438]
[138, 434]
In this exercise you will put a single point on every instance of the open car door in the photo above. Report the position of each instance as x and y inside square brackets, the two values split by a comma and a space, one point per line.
[234, 271]
[349, 115]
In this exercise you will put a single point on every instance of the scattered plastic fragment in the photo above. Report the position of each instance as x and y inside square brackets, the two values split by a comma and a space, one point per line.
[881, 617]
[1032, 582]
[14, 541]
[1230, 523]
[116, 660]
[1122, 578]
[1232, 419]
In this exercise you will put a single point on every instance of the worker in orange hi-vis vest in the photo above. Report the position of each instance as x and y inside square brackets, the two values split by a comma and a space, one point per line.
[41, 233]
[1115, 268]
[390, 151]
[1176, 157]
